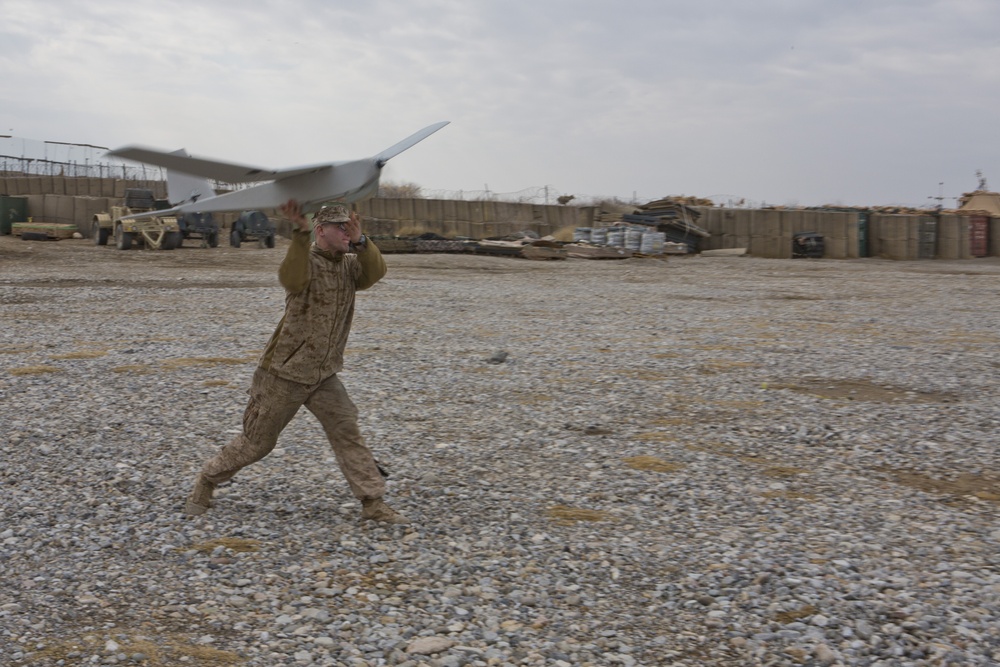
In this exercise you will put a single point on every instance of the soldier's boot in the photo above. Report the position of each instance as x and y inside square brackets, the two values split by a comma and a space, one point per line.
[201, 497]
[377, 510]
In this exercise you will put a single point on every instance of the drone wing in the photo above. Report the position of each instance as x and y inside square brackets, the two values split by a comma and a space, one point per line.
[226, 172]
[414, 138]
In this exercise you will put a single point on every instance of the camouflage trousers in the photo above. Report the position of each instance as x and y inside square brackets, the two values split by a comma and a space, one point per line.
[273, 403]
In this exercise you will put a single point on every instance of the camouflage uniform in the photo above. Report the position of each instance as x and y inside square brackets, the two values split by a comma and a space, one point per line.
[299, 367]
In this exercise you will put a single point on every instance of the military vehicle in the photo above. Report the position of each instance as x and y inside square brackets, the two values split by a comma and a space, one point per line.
[155, 232]
[199, 226]
[253, 226]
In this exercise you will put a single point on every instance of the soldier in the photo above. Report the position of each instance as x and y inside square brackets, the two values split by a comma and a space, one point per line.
[299, 366]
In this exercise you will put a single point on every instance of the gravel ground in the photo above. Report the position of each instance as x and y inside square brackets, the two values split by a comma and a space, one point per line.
[725, 461]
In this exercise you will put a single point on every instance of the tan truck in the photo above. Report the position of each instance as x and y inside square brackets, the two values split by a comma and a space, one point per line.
[154, 233]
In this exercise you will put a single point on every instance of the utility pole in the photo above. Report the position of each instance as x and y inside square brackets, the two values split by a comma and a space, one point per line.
[940, 197]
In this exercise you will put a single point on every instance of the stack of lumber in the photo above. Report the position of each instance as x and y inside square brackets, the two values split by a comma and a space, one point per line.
[674, 218]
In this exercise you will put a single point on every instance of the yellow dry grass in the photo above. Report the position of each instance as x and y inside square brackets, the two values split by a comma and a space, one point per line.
[793, 615]
[564, 234]
[723, 364]
[39, 369]
[653, 464]
[713, 448]
[237, 544]
[789, 494]
[672, 421]
[654, 436]
[138, 369]
[533, 399]
[81, 354]
[645, 375]
[782, 472]
[738, 404]
[170, 650]
[181, 362]
[569, 515]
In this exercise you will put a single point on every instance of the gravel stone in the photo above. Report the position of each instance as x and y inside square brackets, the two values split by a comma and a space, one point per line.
[686, 462]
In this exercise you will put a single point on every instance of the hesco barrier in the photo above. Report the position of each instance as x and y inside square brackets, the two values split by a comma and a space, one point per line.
[469, 219]
[75, 187]
[769, 233]
[847, 233]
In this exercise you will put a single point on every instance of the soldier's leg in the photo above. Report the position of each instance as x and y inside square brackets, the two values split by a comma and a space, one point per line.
[339, 417]
[273, 403]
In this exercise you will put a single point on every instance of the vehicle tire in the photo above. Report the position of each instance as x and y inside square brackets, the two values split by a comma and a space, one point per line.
[100, 234]
[234, 239]
[172, 240]
[269, 241]
[123, 239]
[213, 240]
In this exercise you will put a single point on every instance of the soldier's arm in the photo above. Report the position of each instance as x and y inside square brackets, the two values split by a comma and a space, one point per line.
[294, 270]
[372, 265]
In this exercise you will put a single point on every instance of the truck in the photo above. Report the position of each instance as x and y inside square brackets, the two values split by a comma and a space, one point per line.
[199, 226]
[253, 226]
[155, 233]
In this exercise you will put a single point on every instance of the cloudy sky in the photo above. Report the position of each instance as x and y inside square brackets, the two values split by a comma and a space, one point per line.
[789, 102]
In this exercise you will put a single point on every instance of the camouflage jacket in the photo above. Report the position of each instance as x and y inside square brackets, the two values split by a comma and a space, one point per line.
[308, 344]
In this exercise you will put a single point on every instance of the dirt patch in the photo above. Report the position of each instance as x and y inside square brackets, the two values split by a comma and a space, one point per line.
[862, 390]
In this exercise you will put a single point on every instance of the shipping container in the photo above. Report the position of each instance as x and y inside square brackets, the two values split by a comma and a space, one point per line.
[979, 235]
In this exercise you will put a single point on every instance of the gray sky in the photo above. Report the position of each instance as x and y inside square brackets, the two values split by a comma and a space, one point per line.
[789, 102]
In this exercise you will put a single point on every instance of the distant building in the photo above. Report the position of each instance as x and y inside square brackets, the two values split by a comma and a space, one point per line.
[981, 201]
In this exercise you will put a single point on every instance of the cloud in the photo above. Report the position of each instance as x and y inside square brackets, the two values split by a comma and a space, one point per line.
[810, 101]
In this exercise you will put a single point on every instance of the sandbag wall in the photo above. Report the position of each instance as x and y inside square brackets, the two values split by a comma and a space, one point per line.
[469, 219]
[849, 234]
[764, 233]
[769, 232]
[21, 186]
[910, 237]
